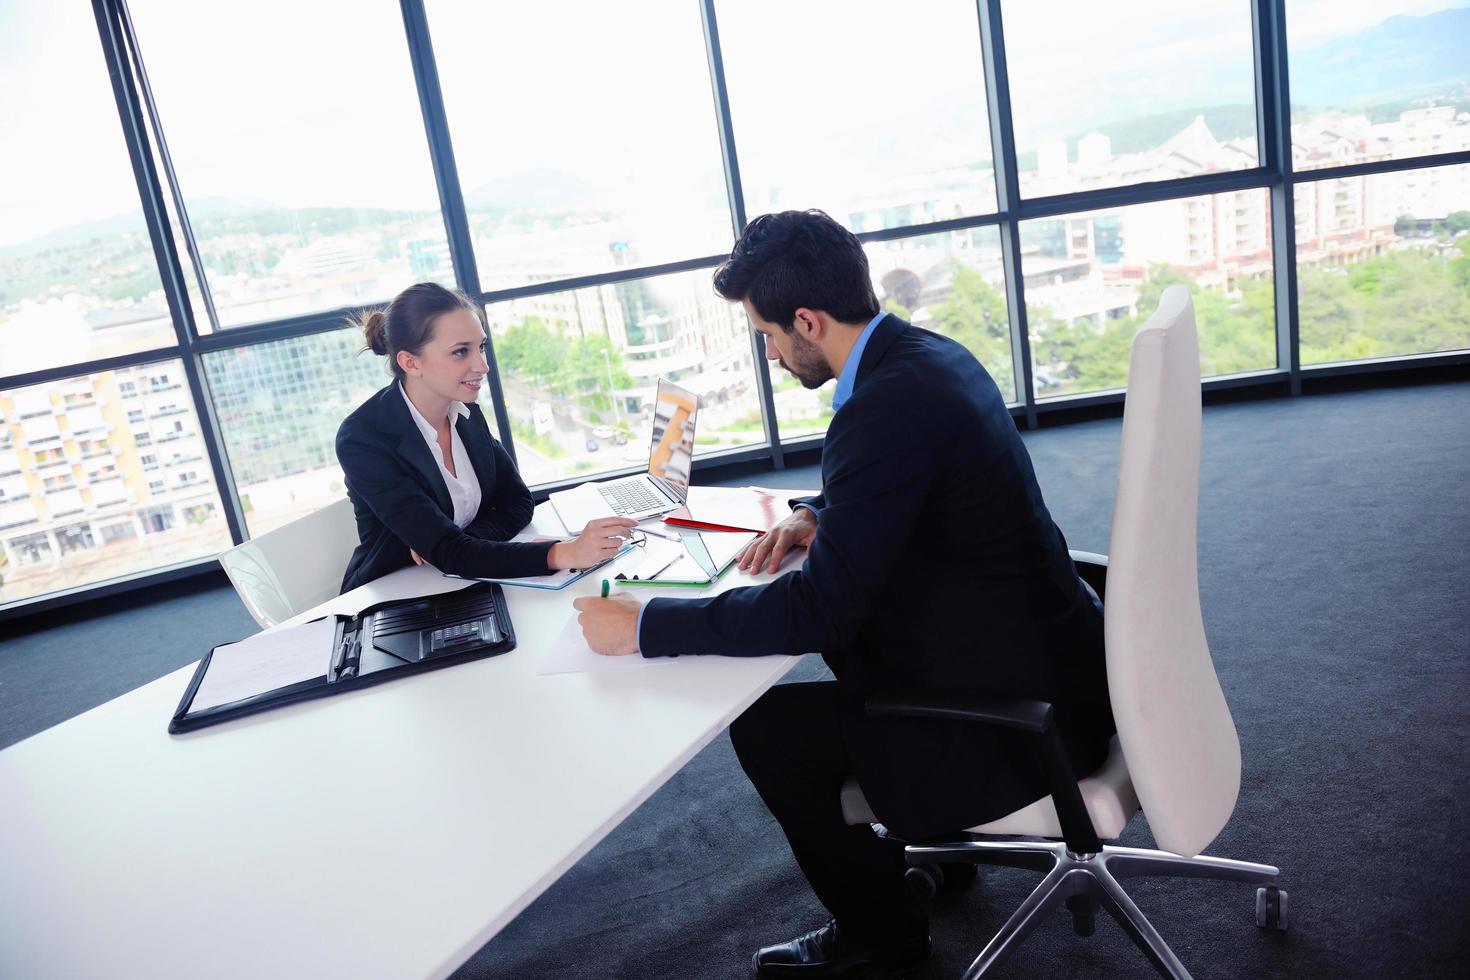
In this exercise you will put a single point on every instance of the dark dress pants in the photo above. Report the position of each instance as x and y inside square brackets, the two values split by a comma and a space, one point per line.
[790, 744]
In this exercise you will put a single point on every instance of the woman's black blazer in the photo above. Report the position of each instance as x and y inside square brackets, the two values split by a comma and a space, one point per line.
[401, 501]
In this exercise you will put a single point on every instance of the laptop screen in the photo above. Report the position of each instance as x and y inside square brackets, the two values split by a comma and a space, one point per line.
[673, 436]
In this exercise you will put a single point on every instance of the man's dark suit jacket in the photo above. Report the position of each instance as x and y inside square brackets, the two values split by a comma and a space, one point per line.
[401, 501]
[935, 566]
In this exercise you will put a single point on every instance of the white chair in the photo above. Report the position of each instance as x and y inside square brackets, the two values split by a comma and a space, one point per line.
[294, 567]
[1176, 752]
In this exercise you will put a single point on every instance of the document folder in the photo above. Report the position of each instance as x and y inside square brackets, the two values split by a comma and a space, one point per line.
[334, 654]
[729, 509]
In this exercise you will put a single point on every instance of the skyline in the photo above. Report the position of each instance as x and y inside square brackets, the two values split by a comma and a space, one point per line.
[398, 175]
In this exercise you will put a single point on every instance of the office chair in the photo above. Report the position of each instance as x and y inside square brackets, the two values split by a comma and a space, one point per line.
[1176, 752]
[294, 567]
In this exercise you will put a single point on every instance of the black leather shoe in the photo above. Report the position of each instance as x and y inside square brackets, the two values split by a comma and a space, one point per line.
[825, 952]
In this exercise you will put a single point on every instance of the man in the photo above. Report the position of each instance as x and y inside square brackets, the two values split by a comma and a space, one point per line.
[932, 564]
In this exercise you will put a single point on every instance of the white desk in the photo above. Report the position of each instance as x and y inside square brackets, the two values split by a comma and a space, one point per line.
[388, 832]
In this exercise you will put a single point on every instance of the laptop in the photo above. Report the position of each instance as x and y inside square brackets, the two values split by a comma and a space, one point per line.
[659, 490]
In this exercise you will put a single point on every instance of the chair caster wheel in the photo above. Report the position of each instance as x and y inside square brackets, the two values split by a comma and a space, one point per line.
[1271, 907]
[928, 880]
[924, 880]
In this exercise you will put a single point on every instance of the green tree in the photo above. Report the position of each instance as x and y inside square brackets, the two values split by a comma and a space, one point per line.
[1460, 266]
[587, 368]
[975, 315]
[530, 349]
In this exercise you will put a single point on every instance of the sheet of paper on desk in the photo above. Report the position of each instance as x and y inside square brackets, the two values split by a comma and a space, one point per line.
[571, 654]
[265, 662]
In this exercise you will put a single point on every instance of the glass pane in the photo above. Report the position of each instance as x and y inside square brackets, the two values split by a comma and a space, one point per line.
[952, 284]
[1383, 264]
[1091, 280]
[1105, 95]
[279, 406]
[1377, 81]
[873, 113]
[584, 133]
[309, 184]
[580, 367]
[102, 475]
[77, 275]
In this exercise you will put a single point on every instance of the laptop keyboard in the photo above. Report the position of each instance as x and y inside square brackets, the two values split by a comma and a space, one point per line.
[630, 496]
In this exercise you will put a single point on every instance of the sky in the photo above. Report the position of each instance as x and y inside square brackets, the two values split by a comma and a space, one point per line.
[614, 94]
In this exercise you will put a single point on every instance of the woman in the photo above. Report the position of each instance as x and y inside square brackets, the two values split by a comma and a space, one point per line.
[427, 481]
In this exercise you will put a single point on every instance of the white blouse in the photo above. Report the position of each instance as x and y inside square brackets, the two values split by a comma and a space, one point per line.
[464, 489]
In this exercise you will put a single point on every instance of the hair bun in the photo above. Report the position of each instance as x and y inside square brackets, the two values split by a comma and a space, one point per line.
[375, 331]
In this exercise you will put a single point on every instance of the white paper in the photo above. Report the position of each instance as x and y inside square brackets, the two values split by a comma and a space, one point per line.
[569, 653]
[666, 561]
[266, 662]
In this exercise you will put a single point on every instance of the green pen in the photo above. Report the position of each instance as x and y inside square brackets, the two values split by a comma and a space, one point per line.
[605, 587]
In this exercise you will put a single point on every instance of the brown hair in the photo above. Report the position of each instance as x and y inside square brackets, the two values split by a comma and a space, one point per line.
[408, 321]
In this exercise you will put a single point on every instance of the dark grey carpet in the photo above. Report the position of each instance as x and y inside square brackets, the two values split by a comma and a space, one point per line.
[1333, 561]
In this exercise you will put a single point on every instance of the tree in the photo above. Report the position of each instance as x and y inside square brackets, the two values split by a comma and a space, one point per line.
[1405, 225]
[975, 315]
[530, 349]
[1460, 266]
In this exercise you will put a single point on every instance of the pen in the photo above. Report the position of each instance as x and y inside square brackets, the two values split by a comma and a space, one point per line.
[605, 587]
[658, 534]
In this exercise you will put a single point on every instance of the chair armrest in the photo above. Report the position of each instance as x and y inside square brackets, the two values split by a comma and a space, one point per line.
[1092, 568]
[1035, 718]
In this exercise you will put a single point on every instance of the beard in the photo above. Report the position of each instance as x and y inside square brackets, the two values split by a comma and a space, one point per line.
[808, 364]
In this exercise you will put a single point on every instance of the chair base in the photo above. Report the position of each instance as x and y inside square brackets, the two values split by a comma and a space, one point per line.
[1084, 882]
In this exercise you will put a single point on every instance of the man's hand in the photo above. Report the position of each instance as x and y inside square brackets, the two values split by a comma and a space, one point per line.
[767, 551]
[610, 625]
[415, 556]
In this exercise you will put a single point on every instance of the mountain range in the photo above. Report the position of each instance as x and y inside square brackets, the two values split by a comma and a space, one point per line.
[1390, 64]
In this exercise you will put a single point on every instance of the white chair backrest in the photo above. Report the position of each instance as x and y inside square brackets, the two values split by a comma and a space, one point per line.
[1175, 727]
[294, 567]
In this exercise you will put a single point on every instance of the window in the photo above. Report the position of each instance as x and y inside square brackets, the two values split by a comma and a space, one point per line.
[1383, 264]
[114, 533]
[575, 362]
[309, 187]
[77, 273]
[584, 134]
[1105, 95]
[279, 406]
[899, 136]
[1377, 82]
[29, 549]
[70, 559]
[157, 519]
[1093, 279]
[951, 283]
[75, 537]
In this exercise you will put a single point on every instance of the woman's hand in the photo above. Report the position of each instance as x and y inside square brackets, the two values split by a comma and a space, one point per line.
[599, 540]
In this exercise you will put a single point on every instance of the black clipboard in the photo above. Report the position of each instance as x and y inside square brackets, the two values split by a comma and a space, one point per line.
[363, 652]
